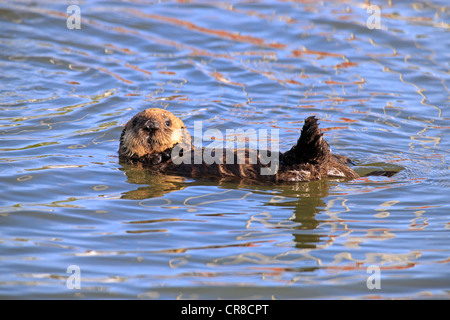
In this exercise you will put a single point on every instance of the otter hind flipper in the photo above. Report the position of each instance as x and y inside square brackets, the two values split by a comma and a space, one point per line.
[310, 147]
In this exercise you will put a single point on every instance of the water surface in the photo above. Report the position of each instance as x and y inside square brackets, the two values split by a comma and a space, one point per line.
[381, 96]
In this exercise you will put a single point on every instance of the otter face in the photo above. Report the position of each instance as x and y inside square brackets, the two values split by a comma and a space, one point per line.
[151, 131]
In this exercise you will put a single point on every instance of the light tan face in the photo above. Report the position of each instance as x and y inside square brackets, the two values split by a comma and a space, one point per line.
[151, 131]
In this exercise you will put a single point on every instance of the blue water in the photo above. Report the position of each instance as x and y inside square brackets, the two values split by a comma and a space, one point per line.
[381, 96]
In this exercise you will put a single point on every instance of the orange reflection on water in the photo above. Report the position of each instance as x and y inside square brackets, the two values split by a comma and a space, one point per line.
[167, 72]
[359, 266]
[219, 33]
[219, 77]
[333, 128]
[137, 68]
[115, 75]
[345, 65]
[343, 83]
[301, 53]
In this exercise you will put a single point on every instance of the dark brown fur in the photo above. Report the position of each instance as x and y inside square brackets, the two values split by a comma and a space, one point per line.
[310, 159]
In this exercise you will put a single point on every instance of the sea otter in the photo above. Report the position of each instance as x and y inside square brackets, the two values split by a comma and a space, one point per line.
[158, 140]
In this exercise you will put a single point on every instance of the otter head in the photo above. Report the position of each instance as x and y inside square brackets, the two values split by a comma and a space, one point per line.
[151, 131]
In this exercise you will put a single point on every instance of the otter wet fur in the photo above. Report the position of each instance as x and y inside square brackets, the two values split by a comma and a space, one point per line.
[150, 138]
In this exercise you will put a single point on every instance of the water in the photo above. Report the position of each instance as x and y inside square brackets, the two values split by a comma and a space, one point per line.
[381, 96]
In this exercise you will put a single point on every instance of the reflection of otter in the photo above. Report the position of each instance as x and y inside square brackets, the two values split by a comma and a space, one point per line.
[149, 138]
[159, 185]
[309, 202]
[307, 198]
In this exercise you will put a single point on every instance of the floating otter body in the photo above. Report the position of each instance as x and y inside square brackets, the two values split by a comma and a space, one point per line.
[160, 142]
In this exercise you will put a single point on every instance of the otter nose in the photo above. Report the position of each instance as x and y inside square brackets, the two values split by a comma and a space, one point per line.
[151, 124]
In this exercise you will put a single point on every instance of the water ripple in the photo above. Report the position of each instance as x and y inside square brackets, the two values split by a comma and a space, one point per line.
[381, 97]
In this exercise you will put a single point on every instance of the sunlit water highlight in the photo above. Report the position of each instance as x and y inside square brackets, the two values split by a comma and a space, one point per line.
[381, 96]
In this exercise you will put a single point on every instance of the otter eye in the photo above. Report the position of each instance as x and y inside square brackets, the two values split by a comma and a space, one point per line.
[168, 123]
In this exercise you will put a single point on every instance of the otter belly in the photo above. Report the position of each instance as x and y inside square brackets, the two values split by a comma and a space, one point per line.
[243, 164]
